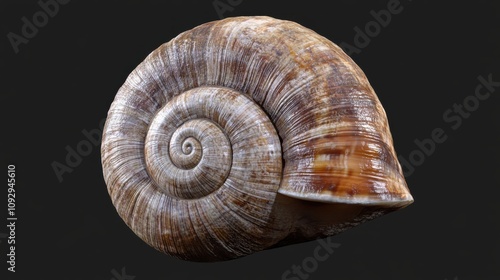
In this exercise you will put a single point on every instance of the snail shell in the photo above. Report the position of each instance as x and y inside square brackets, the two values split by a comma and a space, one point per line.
[245, 134]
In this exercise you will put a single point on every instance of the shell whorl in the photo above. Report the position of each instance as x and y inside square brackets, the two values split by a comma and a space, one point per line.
[216, 138]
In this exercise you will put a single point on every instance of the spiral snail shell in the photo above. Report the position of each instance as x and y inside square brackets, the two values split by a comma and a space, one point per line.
[245, 134]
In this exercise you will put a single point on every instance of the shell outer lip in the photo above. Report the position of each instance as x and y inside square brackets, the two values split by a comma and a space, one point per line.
[387, 201]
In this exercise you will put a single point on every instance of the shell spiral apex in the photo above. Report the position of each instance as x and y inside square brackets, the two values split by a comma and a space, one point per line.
[245, 134]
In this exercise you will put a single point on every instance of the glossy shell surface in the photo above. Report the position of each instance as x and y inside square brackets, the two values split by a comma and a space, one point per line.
[244, 134]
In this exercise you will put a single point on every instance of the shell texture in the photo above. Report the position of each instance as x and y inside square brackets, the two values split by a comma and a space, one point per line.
[245, 134]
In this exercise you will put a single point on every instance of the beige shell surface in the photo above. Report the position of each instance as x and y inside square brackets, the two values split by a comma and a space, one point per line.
[245, 134]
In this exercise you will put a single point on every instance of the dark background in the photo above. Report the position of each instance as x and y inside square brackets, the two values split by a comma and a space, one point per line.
[427, 59]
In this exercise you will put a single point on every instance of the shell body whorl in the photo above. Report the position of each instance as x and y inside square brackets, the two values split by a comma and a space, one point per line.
[225, 140]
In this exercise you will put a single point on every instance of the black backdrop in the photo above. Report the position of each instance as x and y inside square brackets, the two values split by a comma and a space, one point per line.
[428, 58]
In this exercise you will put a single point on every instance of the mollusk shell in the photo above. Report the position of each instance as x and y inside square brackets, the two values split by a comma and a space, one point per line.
[245, 134]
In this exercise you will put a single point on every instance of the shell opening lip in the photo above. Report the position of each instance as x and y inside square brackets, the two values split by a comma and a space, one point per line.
[383, 201]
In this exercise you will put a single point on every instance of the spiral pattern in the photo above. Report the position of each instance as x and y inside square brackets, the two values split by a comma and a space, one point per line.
[212, 125]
